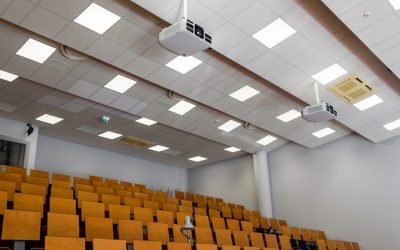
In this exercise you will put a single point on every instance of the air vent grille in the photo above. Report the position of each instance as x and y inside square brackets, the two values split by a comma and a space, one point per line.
[136, 142]
[352, 89]
[7, 107]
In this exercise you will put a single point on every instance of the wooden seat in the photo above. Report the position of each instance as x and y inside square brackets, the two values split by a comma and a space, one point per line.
[296, 235]
[282, 223]
[92, 209]
[61, 184]
[190, 196]
[214, 213]
[226, 212]
[237, 213]
[206, 247]
[202, 220]
[78, 180]
[241, 238]
[110, 199]
[178, 235]
[264, 223]
[305, 234]
[3, 202]
[272, 241]
[61, 193]
[170, 207]
[180, 217]
[153, 205]
[86, 196]
[146, 245]
[179, 195]
[122, 194]
[285, 242]
[143, 214]
[132, 203]
[202, 204]
[165, 217]
[130, 230]
[203, 235]
[62, 206]
[231, 248]
[255, 221]
[313, 235]
[37, 181]
[27, 188]
[187, 203]
[39, 173]
[200, 211]
[256, 248]
[185, 209]
[274, 224]
[93, 178]
[98, 228]
[83, 187]
[158, 232]
[340, 245]
[211, 204]
[355, 246]
[64, 243]
[62, 225]
[246, 226]
[28, 202]
[60, 177]
[173, 201]
[102, 244]
[286, 231]
[16, 170]
[179, 246]
[246, 214]
[141, 196]
[12, 177]
[331, 244]
[257, 240]
[223, 237]
[21, 225]
[103, 190]
[9, 187]
[233, 225]
[321, 244]
[119, 212]
[218, 223]
[321, 235]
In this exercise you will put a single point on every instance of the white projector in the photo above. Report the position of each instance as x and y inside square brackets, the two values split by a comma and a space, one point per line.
[319, 112]
[185, 38]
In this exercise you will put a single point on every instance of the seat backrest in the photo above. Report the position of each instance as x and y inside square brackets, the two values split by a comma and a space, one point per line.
[93, 178]
[130, 230]
[203, 235]
[274, 224]
[37, 181]
[200, 211]
[62, 205]
[108, 199]
[321, 235]
[83, 187]
[153, 205]
[237, 213]
[122, 194]
[174, 201]
[179, 195]
[141, 196]
[339, 245]
[347, 245]
[214, 213]
[119, 212]
[62, 225]
[102, 244]
[27, 188]
[286, 231]
[61, 184]
[12, 177]
[190, 196]
[166, 217]
[132, 203]
[187, 203]
[246, 214]
[103, 190]
[241, 238]
[313, 235]
[321, 245]
[61, 193]
[39, 173]
[170, 207]
[305, 234]
[264, 223]
[233, 225]
[28, 202]
[61, 177]
[143, 214]
[202, 204]
[98, 228]
[178, 235]
[212, 204]
[246, 226]
[180, 217]
[257, 240]
[255, 221]
[285, 242]
[86, 196]
[355, 246]
[16, 170]
[282, 223]
[158, 232]
[218, 223]
[92, 209]
[146, 245]
[185, 209]
[206, 247]
[78, 180]
[202, 220]
[272, 241]
[9, 187]
[226, 212]
[256, 248]
[21, 225]
[331, 244]
[295, 233]
[3, 201]
[64, 243]
[223, 237]
[179, 246]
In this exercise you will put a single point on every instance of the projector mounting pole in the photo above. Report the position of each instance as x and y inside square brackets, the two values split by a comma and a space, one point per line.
[184, 9]
[316, 91]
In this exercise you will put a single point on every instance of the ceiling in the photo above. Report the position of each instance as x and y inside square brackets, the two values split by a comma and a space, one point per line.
[327, 32]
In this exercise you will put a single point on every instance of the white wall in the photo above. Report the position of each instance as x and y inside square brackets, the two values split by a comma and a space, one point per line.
[16, 131]
[348, 188]
[232, 180]
[77, 160]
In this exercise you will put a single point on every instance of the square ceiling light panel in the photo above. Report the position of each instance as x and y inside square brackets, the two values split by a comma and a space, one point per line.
[395, 4]
[35, 51]
[323, 132]
[146, 121]
[183, 64]
[110, 135]
[50, 119]
[229, 126]
[120, 84]
[329, 74]
[232, 149]
[244, 93]
[368, 102]
[392, 125]
[7, 76]
[182, 107]
[289, 116]
[97, 18]
[274, 33]
[267, 140]
[197, 159]
[158, 148]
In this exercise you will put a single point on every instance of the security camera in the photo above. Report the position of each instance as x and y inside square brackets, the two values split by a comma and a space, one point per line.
[30, 129]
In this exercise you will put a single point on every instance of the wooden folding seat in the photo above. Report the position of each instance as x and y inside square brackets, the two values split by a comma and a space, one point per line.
[99, 184]
[231, 248]
[172, 201]
[305, 234]
[282, 223]
[61, 184]
[331, 244]
[218, 223]
[93, 178]
[186, 203]
[64, 243]
[179, 246]
[218, 200]
[190, 196]
[202, 204]
[321, 245]
[185, 209]
[170, 207]
[321, 235]
[61, 177]
[221, 204]
[214, 213]
[246, 214]
[200, 211]
[102, 244]
[130, 230]
[9, 187]
[257, 240]
[178, 235]
[202, 221]
[355, 246]
[122, 194]
[347, 245]
[28, 202]
[255, 248]
[240, 207]
[264, 223]
[126, 184]
[200, 197]
[21, 225]
[162, 194]
[83, 181]
[34, 189]
[61, 193]
[223, 237]
[86, 196]
[92, 209]
[135, 189]
[160, 200]
[143, 214]
[206, 247]
[153, 205]
[340, 245]
[203, 235]
[62, 205]
[148, 191]
[3, 202]
[111, 181]
[165, 217]
[286, 231]
[117, 187]
[237, 213]
[233, 225]
[313, 235]
[104, 190]
[255, 221]
[274, 224]
[108, 199]
[119, 212]
[256, 213]
[210, 198]
[39, 173]
[179, 195]
[141, 196]
[212, 204]
[132, 203]
[147, 245]
[231, 205]
[241, 238]
[285, 242]
[158, 232]
[226, 212]
[98, 228]
[62, 225]
[272, 241]
[11, 177]
[83, 187]
[180, 217]
[246, 226]
[296, 235]
[16, 170]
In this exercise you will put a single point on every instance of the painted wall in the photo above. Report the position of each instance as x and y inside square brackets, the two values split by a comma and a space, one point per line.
[348, 188]
[77, 160]
[232, 180]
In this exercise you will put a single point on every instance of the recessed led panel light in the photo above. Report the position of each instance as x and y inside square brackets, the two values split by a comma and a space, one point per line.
[197, 159]
[329, 74]
[146, 121]
[7, 76]
[97, 18]
[232, 149]
[290, 115]
[49, 119]
[110, 135]
[158, 148]
[274, 33]
[182, 107]
[229, 126]
[395, 4]
[120, 84]
[244, 93]
[392, 125]
[184, 64]
[267, 140]
[368, 102]
[323, 132]
[36, 51]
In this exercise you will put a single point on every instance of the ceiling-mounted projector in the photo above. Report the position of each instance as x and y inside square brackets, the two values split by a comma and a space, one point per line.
[319, 112]
[185, 37]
